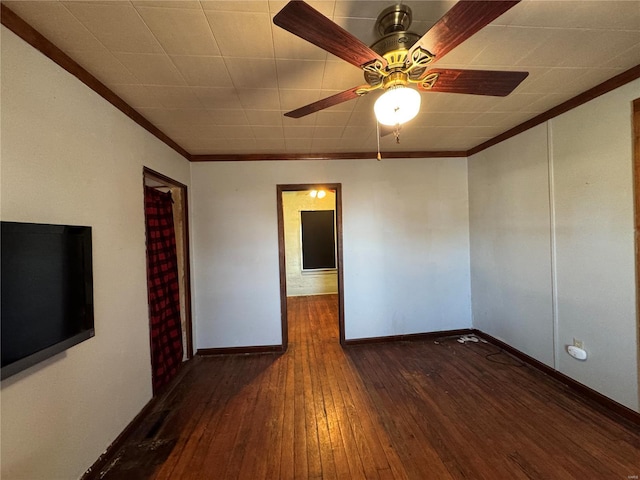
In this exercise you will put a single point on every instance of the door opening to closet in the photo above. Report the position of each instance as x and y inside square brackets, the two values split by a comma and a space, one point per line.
[310, 248]
[168, 278]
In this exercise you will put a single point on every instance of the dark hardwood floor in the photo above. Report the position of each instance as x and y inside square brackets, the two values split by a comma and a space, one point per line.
[405, 410]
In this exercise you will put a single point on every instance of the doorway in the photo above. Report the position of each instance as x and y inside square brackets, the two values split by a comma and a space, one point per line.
[336, 190]
[179, 207]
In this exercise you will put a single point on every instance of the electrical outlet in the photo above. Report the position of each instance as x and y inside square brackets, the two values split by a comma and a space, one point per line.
[578, 343]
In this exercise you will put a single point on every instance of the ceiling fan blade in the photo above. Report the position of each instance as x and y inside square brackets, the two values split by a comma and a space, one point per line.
[475, 82]
[463, 20]
[325, 103]
[306, 22]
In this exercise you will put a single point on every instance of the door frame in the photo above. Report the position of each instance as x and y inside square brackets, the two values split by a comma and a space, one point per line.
[169, 182]
[337, 187]
[636, 204]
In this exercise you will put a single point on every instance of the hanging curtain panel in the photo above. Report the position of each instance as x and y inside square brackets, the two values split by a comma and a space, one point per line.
[164, 293]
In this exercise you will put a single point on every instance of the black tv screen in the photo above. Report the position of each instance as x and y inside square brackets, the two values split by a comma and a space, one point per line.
[47, 291]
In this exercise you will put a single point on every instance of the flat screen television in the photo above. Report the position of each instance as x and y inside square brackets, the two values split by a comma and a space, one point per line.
[47, 292]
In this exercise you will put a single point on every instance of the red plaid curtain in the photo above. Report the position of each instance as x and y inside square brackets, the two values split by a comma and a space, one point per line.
[162, 281]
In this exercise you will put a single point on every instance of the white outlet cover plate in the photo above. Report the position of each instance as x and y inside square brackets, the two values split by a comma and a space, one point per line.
[577, 353]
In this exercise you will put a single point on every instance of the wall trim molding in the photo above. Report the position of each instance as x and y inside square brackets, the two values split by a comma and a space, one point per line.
[609, 405]
[34, 38]
[408, 337]
[605, 87]
[30, 35]
[256, 157]
[204, 352]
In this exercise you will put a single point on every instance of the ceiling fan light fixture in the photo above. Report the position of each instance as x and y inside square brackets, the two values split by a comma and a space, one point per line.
[397, 105]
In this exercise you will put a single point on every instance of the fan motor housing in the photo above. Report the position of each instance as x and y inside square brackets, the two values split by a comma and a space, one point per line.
[393, 24]
[396, 18]
[395, 41]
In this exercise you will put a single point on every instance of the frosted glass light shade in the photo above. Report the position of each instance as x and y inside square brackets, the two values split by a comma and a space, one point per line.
[397, 105]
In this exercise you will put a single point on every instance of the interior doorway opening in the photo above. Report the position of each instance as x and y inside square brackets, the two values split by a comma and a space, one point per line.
[310, 248]
[178, 191]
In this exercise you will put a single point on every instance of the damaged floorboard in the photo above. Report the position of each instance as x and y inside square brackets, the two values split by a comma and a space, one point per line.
[404, 410]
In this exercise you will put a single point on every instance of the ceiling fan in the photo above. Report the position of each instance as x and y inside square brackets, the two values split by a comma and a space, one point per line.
[400, 58]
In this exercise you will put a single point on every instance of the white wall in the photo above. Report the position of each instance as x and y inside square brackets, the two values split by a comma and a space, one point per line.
[309, 282]
[592, 155]
[552, 243]
[406, 247]
[69, 157]
[510, 243]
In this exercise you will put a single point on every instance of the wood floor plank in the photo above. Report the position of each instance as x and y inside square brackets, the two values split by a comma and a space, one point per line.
[202, 393]
[391, 398]
[419, 410]
[261, 425]
[337, 453]
[314, 465]
[301, 465]
[326, 329]
[287, 462]
[343, 407]
[321, 403]
[371, 452]
[269, 466]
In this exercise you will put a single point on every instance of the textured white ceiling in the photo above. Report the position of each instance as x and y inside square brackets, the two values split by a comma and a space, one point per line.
[217, 76]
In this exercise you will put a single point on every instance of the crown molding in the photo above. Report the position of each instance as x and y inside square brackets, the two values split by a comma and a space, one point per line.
[254, 157]
[605, 87]
[38, 41]
[25, 31]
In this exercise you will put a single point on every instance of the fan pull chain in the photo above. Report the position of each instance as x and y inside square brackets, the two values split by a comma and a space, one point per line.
[378, 137]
